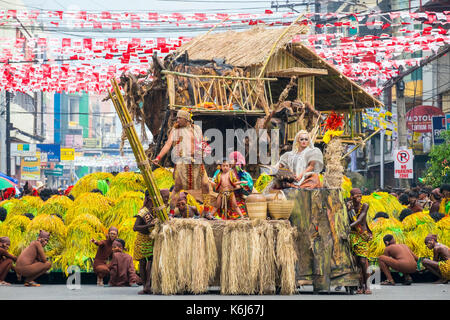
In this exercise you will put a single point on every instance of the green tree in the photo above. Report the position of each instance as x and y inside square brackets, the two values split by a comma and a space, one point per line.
[438, 171]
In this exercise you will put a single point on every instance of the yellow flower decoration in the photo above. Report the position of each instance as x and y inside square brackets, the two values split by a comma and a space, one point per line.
[331, 133]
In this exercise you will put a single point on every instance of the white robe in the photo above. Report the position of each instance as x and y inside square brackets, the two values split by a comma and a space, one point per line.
[298, 161]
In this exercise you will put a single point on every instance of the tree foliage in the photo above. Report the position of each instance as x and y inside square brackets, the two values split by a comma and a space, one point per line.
[438, 171]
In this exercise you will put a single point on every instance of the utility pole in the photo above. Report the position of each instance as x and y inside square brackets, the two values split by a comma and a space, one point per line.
[401, 121]
[8, 138]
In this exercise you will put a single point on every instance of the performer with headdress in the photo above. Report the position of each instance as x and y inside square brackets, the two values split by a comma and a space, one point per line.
[440, 265]
[32, 262]
[104, 253]
[186, 141]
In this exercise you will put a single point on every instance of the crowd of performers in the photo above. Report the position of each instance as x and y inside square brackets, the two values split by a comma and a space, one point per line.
[398, 257]
[298, 168]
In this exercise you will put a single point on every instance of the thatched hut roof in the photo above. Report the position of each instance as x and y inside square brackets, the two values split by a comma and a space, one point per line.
[251, 48]
[240, 48]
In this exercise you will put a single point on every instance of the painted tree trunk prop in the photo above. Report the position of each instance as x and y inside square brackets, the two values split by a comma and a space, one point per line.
[138, 150]
[322, 243]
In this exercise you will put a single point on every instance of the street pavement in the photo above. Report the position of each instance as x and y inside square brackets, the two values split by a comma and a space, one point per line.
[416, 291]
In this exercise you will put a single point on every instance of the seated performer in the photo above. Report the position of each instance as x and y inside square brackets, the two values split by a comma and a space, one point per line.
[225, 183]
[32, 262]
[143, 245]
[360, 235]
[104, 253]
[6, 260]
[414, 205]
[398, 257]
[186, 139]
[121, 268]
[440, 265]
[183, 210]
[305, 161]
[165, 195]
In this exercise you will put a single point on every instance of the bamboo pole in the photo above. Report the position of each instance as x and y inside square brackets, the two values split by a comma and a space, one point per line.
[138, 150]
[359, 145]
[206, 76]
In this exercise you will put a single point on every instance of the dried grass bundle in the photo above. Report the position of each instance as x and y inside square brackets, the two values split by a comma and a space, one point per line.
[90, 203]
[56, 205]
[267, 268]
[49, 223]
[89, 182]
[125, 181]
[199, 264]
[14, 227]
[79, 251]
[286, 257]
[334, 172]
[155, 273]
[125, 207]
[168, 260]
[184, 254]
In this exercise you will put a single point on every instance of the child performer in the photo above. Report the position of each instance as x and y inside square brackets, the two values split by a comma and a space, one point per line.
[225, 184]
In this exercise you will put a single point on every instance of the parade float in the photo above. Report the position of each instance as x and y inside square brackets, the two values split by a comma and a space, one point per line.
[228, 80]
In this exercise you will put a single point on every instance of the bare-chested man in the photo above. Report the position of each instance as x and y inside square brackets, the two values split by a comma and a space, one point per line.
[225, 184]
[32, 262]
[6, 260]
[360, 235]
[398, 257]
[185, 140]
[440, 265]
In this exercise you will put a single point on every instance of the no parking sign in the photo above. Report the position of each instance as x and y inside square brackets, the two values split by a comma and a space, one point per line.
[403, 164]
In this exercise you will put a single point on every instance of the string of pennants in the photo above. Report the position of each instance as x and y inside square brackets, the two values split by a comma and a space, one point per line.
[137, 20]
[86, 64]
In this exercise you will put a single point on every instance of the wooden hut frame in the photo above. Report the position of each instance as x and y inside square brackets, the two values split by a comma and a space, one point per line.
[223, 92]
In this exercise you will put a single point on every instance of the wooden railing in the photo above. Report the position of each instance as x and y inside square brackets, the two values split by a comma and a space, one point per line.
[218, 92]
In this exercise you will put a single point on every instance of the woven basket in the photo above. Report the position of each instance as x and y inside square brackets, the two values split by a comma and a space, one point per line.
[280, 207]
[257, 210]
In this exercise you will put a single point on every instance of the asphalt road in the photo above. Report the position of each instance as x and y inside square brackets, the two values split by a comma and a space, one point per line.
[416, 291]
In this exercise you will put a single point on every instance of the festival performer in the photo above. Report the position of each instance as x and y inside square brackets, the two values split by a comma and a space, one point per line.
[6, 260]
[183, 210]
[165, 194]
[186, 141]
[32, 262]
[360, 235]
[143, 245]
[121, 268]
[225, 183]
[445, 202]
[305, 161]
[398, 257]
[435, 200]
[413, 202]
[440, 265]
[237, 162]
[104, 253]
